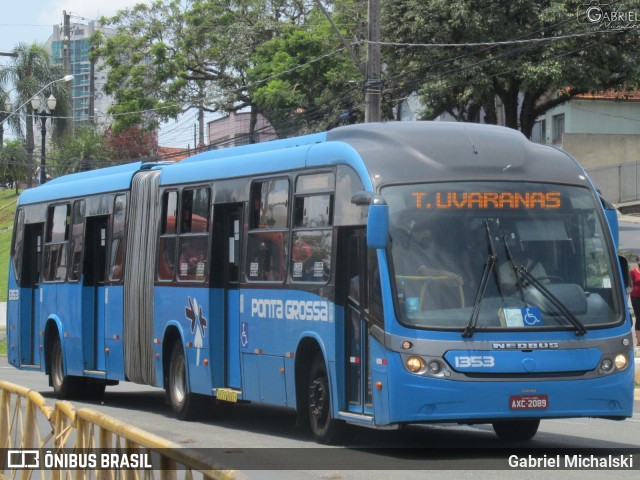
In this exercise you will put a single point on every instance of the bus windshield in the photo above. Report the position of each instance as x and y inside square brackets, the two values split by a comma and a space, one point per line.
[479, 255]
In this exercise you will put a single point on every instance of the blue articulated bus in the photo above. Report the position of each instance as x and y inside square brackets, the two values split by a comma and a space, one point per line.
[376, 275]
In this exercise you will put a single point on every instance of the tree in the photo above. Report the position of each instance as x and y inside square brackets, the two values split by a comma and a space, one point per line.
[305, 78]
[15, 164]
[85, 149]
[134, 143]
[4, 97]
[169, 58]
[29, 71]
[528, 78]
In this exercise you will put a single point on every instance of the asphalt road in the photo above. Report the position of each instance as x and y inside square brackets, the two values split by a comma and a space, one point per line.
[263, 441]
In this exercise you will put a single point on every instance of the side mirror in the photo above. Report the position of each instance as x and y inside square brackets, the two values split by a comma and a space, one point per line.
[611, 214]
[377, 220]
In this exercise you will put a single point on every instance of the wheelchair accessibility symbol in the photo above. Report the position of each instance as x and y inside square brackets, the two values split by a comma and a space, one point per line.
[532, 316]
[244, 335]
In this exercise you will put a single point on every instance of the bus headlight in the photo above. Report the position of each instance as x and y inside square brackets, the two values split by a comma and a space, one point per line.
[606, 365]
[435, 367]
[415, 364]
[620, 361]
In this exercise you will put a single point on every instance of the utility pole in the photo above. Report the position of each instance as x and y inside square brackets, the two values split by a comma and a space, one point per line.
[371, 70]
[373, 82]
[66, 52]
[92, 92]
[66, 31]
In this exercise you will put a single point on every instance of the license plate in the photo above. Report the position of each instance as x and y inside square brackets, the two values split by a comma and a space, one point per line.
[227, 395]
[528, 402]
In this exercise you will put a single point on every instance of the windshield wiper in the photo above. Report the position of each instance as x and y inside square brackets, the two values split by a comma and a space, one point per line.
[520, 270]
[489, 266]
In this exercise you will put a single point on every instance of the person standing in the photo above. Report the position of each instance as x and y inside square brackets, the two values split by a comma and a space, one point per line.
[635, 296]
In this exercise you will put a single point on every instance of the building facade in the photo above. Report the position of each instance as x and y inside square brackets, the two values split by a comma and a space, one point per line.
[90, 102]
[600, 129]
[234, 130]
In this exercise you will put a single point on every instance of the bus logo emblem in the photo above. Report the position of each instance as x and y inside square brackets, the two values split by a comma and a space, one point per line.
[193, 312]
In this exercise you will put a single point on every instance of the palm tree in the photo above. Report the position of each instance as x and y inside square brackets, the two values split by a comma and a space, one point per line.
[28, 72]
[4, 96]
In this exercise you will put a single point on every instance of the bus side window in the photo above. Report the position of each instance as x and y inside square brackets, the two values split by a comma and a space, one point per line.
[18, 245]
[116, 264]
[77, 240]
[268, 237]
[376, 315]
[56, 244]
[193, 238]
[312, 232]
[168, 237]
[266, 256]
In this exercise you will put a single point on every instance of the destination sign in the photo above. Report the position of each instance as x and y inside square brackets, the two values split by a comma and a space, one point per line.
[485, 200]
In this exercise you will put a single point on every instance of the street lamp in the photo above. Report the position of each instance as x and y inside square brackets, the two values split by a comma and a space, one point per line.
[66, 78]
[43, 114]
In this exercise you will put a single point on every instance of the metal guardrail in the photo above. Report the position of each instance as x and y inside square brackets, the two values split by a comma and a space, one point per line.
[618, 183]
[27, 422]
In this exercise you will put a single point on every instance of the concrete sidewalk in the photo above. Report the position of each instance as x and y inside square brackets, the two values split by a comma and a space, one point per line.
[628, 218]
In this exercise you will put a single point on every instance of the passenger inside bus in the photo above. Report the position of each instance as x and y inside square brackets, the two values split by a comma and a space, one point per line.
[522, 257]
[526, 250]
[302, 258]
[265, 257]
[192, 258]
[429, 270]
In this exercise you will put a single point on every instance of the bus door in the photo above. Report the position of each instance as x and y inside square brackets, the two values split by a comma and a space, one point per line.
[358, 374]
[30, 293]
[93, 293]
[226, 306]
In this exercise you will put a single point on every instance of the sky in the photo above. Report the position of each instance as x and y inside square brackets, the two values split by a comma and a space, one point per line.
[29, 21]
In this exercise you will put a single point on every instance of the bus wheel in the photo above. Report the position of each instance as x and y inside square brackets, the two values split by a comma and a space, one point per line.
[185, 404]
[324, 427]
[64, 386]
[516, 430]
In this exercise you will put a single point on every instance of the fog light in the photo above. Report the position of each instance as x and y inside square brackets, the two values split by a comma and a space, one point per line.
[435, 367]
[415, 364]
[620, 362]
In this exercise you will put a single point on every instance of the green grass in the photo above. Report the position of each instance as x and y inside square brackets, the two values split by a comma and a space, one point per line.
[8, 201]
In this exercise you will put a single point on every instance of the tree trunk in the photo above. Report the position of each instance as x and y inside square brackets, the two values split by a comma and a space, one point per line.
[252, 125]
[201, 143]
[510, 102]
[529, 112]
[490, 114]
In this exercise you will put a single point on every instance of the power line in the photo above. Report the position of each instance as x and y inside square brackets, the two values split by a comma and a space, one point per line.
[496, 43]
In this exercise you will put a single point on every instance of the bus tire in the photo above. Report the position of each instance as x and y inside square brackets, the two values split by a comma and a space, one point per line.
[516, 430]
[64, 386]
[185, 404]
[325, 428]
